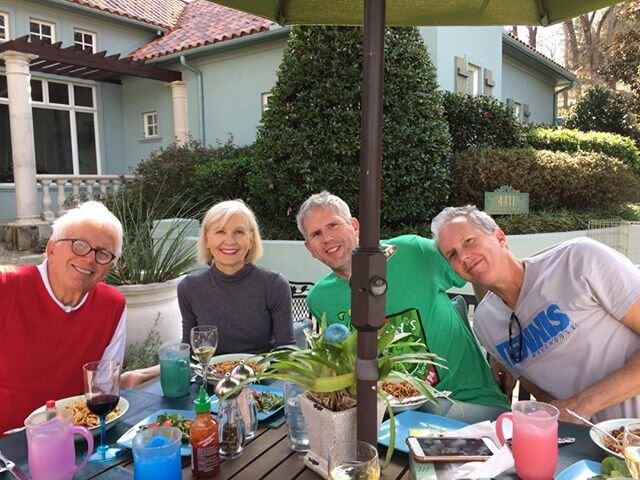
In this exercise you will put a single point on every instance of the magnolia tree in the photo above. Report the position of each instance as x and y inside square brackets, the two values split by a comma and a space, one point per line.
[310, 135]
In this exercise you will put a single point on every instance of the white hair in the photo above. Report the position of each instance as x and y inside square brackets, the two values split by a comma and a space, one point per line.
[94, 213]
[480, 219]
[322, 200]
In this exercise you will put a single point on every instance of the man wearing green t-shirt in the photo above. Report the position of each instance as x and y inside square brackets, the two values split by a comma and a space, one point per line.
[418, 278]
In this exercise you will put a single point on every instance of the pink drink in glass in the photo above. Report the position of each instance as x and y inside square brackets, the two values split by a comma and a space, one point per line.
[50, 445]
[535, 446]
[535, 439]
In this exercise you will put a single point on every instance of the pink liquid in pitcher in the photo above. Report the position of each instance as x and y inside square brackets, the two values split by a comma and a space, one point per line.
[535, 446]
[51, 451]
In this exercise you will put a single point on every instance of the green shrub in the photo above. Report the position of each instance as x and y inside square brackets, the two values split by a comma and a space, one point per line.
[554, 180]
[600, 109]
[145, 354]
[223, 179]
[481, 121]
[565, 140]
[310, 136]
[174, 168]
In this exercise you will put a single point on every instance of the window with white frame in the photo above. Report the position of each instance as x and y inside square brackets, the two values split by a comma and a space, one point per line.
[265, 100]
[64, 128]
[150, 121]
[41, 30]
[4, 26]
[473, 79]
[517, 110]
[84, 39]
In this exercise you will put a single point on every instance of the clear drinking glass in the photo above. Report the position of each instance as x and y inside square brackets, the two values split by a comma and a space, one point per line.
[353, 461]
[102, 392]
[204, 341]
[631, 448]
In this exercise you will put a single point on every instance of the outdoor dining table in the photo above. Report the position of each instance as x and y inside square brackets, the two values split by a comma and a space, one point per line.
[267, 456]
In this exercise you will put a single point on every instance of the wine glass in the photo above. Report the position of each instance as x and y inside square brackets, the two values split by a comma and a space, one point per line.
[204, 341]
[353, 460]
[631, 448]
[102, 392]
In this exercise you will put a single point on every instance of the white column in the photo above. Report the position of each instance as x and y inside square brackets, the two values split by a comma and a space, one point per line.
[179, 103]
[22, 143]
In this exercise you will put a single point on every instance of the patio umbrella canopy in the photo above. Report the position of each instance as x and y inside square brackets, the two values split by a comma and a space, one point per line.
[368, 280]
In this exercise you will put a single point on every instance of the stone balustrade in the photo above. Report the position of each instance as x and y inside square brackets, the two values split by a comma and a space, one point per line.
[56, 189]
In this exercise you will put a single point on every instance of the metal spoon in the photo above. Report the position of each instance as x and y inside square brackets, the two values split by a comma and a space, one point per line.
[592, 425]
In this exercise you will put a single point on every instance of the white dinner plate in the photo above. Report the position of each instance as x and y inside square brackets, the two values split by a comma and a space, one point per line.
[123, 406]
[607, 426]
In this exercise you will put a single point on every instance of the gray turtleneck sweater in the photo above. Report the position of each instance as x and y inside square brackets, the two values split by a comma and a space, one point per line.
[251, 308]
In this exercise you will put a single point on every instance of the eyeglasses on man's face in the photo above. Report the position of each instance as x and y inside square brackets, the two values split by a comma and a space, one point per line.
[82, 249]
[515, 351]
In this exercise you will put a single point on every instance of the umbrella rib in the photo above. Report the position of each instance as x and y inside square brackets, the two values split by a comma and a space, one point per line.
[281, 14]
[542, 11]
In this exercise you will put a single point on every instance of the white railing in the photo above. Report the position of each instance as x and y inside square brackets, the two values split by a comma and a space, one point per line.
[75, 186]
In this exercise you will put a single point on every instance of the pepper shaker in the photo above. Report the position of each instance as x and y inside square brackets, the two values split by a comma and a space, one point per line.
[230, 422]
[246, 402]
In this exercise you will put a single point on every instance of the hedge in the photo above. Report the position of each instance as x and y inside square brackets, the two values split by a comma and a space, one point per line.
[566, 140]
[554, 180]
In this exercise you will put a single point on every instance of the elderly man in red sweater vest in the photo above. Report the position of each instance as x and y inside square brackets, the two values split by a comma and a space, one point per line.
[57, 316]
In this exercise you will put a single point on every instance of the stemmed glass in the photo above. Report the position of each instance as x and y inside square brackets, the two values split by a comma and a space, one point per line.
[102, 392]
[353, 460]
[204, 341]
[631, 448]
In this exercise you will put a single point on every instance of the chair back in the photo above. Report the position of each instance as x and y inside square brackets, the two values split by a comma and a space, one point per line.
[299, 309]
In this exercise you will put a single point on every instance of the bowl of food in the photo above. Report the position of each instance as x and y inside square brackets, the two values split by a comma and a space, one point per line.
[83, 417]
[222, 364]
[403, 396]
[614, 427]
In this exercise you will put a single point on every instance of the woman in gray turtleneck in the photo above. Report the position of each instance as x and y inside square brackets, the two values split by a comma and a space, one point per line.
[250, 305]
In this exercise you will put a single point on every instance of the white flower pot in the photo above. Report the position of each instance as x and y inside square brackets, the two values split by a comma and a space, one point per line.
[325, 428]
[146, 303]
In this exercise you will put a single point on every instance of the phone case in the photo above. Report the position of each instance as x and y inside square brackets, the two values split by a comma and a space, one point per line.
[445, 458]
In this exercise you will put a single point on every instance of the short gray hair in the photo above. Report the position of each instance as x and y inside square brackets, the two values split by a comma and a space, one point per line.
[323, 199]
[480, 219]
[222, 212]
[89, 213]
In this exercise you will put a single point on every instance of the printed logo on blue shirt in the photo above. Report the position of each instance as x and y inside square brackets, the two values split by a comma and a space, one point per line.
[550, 327]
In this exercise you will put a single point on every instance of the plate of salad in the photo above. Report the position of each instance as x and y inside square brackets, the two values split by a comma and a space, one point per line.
[270, 400]
[164, 418]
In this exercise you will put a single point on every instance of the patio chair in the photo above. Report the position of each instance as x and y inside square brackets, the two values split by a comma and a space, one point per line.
[300, 311]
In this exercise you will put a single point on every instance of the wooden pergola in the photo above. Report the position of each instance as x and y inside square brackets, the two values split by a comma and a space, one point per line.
[75, 62]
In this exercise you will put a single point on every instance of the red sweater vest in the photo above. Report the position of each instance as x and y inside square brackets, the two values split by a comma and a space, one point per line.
[42, 347]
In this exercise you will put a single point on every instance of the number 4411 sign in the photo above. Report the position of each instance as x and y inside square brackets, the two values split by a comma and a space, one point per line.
[506, 201]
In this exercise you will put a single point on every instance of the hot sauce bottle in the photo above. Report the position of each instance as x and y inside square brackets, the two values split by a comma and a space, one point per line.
[205, 455]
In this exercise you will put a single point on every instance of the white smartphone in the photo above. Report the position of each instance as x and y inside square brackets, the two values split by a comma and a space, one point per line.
[451, 449]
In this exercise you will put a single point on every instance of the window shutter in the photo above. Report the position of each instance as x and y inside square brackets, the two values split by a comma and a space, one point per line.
[526, 113]
[461, 75]
[489, 83]
[511, 103]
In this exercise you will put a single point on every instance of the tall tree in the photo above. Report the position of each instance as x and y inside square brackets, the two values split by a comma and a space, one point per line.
[621, 66]
[585, 35]
[310, 136]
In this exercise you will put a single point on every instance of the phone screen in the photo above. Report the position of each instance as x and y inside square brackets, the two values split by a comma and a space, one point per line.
[449, 447]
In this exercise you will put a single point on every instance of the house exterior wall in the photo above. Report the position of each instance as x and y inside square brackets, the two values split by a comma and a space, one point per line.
[481, 46]
[527, 86]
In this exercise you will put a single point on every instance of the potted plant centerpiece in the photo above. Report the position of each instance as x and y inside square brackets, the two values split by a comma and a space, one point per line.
[327, 370]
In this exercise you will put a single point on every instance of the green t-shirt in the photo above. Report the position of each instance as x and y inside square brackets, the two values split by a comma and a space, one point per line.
[418, 278]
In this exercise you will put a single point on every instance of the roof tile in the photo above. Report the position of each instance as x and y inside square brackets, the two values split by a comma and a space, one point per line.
[162, 13]
[203, 23]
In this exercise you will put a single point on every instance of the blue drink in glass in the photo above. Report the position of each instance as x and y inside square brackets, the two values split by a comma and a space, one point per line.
[156, 454]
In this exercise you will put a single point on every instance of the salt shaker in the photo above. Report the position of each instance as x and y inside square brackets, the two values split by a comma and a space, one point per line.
[246, 402]
[230, 422]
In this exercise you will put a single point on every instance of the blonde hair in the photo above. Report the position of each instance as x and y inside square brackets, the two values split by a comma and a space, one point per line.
[222, 212]
[89, 213]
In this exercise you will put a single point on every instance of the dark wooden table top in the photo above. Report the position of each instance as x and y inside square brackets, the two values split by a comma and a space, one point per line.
[266, 457]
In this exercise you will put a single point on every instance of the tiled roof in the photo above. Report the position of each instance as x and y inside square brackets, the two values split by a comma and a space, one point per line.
[162, 13]
[511, 35]
[203, 23]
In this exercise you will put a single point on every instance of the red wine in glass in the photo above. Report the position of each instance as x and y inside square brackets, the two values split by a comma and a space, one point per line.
[101, 405]
[102, 393]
